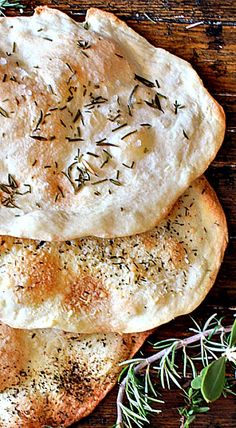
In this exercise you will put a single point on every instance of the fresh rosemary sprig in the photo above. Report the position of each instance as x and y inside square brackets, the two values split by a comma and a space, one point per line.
[4, 4]
[137, 393]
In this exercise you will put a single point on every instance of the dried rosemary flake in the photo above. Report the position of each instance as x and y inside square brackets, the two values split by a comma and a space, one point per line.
[83, 44]
[39, 121]
[86, 25]
[144, 81]
[115, 182]
[88, 167]
[12, 182]
[185, 135]
[130, 100]
[74, 139]
[4, 112]
[105, 162]
[107, 144]
[39, 137]
[178, 106]
[84, 53]
[161, 95]
[63, 123]
[129, 133]
[69, 66]
[155, 103]
[78, 116]
[129, 166]
[61, 191]
[47, 38]
[107, 153]
[148, 125]
[99, 182]
[92, 154]
[119, 127]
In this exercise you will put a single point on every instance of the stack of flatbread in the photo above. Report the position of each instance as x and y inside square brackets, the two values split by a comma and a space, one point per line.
[108, 229]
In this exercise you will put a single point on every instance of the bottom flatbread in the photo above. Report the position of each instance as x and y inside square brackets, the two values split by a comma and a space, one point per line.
[52, 378]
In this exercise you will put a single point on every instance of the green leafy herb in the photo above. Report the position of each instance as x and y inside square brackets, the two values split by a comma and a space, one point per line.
[213, 380]
[206, 386]
[4, 4]
[194, 405]
[232, 341]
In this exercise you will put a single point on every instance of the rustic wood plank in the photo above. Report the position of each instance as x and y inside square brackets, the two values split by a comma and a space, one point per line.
[223, 180]
[169, 10]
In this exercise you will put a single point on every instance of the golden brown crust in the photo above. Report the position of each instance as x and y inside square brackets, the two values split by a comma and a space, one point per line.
[60, 377]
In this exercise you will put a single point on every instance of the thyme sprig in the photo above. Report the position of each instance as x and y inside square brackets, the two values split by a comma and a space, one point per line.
[137, 393]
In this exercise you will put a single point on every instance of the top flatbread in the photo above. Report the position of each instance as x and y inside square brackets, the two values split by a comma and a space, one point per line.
[100, 131]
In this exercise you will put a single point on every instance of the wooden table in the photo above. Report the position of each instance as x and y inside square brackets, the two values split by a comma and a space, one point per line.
[211, 49]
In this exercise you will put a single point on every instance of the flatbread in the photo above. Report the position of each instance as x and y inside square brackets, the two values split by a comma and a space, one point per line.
[100, 131]
[127, 284]
[55, 378]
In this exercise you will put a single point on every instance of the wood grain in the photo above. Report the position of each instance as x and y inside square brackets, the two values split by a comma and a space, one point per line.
[210, 47]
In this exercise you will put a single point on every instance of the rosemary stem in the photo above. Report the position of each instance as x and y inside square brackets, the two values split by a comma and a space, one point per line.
[157, 356]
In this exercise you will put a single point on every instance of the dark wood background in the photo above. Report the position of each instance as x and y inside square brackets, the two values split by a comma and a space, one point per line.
[211, 49]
